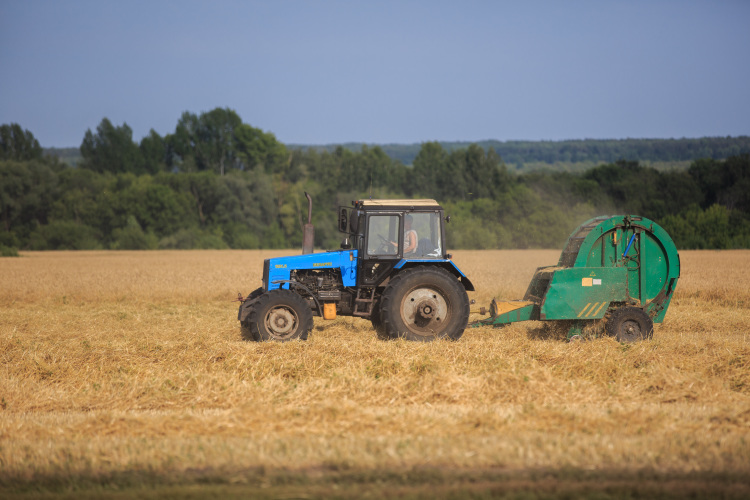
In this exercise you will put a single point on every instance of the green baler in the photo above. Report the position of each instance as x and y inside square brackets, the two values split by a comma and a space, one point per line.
[617, 270]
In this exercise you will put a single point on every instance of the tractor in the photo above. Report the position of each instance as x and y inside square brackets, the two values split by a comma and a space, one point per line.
[393, 269]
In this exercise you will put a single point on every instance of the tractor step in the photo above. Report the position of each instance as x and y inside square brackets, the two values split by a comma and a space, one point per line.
[366, 302]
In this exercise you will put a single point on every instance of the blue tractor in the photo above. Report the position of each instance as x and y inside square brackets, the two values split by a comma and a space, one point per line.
[393, 269]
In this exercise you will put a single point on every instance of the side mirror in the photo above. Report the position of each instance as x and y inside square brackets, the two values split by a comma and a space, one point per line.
[343, 220]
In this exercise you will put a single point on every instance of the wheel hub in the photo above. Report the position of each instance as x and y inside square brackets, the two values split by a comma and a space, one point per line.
[631, 329]
[427, 309]
[281, 321]
[424, 311]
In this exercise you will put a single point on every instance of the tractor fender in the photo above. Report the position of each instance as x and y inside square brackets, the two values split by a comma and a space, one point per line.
[446, 264]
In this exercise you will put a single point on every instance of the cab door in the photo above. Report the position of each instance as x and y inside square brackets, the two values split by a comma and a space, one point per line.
[382, 247]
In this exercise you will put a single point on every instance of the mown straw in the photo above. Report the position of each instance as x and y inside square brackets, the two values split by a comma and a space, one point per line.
[113, 361]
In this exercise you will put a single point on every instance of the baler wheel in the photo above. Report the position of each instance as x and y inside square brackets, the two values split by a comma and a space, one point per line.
[280, 315]
[630, 324]
[423, 304]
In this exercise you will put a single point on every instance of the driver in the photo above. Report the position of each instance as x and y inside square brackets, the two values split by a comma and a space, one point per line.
[410, 237]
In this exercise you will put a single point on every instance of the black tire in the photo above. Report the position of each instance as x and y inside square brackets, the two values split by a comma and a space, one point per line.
[377, 322]
[280, 315]
[247, 332]
[247, 304]
[424, 304]
[629, 324]
[245, 309]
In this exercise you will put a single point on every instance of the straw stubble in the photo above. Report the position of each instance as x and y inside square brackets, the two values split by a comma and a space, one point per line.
[116, 361]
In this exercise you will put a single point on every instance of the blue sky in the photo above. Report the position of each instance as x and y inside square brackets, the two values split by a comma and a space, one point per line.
[317, 72]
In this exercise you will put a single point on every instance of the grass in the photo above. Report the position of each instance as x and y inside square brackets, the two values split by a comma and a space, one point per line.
[124, 374]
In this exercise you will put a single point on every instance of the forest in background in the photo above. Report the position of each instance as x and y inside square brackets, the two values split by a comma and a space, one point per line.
[578, 155]
[529, 156]
[217, 182]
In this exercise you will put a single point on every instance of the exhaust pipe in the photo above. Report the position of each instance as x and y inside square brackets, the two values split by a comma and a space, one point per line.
[308, 231]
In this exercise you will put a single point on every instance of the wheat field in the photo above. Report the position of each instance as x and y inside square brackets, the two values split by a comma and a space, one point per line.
[124, 374]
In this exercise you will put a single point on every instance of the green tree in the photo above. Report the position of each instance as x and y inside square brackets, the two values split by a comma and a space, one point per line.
[132, 237]
[64, 235]
[111, 149]
[206, 141]
[428, 167]
[258, 149]
[724, 182]
[86, 197]
[153, 152]
[18, 144]
[27, 192]
[484, 172]
[155, 206]
[246, 208]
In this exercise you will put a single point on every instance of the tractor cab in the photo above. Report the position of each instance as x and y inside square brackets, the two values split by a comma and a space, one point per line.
[387, 233]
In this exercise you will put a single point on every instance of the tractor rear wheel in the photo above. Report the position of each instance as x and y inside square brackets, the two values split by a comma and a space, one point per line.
[280, 315]
[629, 324]
[424, 304]
[377, 322]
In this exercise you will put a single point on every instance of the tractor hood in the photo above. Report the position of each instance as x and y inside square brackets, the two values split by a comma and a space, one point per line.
[277, 272]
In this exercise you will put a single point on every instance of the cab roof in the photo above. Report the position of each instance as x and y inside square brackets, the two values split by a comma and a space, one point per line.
[402, 204]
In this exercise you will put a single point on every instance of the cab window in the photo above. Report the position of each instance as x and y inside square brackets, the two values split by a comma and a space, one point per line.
[427, 229]
[383, 235]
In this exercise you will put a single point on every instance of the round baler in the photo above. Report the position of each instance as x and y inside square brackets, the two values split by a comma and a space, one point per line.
[621, 270]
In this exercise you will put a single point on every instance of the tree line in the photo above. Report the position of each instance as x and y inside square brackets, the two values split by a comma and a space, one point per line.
[217, 182]
[521, 155]
[570, 155]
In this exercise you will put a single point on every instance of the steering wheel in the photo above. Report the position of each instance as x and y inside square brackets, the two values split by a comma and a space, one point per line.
[386, 247]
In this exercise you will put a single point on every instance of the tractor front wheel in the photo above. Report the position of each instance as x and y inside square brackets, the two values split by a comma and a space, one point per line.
[280, 315]
[424, 304]
[630, 324]
[246, 307]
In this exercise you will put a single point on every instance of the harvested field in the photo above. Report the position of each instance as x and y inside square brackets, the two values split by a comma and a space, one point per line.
[124, 373]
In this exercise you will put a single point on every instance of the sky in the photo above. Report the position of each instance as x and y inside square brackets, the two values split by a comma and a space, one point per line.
[325, 72]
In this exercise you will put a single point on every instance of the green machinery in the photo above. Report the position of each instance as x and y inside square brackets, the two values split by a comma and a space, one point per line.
[616, 271]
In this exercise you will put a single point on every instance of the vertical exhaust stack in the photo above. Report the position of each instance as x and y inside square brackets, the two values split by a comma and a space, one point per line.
[308, 236]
